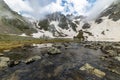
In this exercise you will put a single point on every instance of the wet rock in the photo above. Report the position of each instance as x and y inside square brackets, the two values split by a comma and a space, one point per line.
[4, 62]
[53, 51]
[57, 45]
[109, 50]
[90, 69]
[1, 54]
[111, 53]
[118, 57]
[13, 63]
[91, 46]
[32, 59]
[58, 70]
[6, 50]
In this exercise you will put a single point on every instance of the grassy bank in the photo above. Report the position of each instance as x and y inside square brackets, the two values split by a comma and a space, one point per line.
[12, 41]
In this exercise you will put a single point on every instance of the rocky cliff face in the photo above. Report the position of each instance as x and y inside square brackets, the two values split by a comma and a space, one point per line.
[13, 23]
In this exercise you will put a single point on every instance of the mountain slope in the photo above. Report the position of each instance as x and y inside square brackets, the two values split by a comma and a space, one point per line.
[57, 25]
[107, 26]
[13, 23]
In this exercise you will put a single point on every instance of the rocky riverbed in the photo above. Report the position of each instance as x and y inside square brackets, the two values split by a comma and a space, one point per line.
[62, 61]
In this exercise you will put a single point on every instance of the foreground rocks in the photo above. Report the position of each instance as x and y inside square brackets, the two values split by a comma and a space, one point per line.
[32, 59]
[4, 62]
[53, 51]
[64, 61]
[87, 67]
[118, 57]
[1, 54]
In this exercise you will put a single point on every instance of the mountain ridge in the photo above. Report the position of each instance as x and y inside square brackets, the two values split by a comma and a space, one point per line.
[13, 23]
[105, 28]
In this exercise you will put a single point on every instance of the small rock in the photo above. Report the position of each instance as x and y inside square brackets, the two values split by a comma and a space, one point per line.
[87, 67]
[4, 62]
[109, 50]
[117, 58]
[32, 59]
[6, 50]
[13, 63]
[53, 51]
[103, 58]
[1, 54]
[57, 45]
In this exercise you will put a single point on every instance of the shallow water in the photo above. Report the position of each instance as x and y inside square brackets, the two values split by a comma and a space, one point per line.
[64, 66]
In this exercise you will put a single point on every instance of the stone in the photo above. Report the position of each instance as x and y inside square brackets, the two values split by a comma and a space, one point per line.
[53, 50]
[4, 62]
[32, 59]
[118, 57]
[109, 50]
[1, 54]
[111, 53]
[90, 69]
[13, 63]
[57, 45]
[6, 50]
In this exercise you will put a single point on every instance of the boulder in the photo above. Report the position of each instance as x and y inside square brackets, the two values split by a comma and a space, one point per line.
[32, 59]
[53, 51]
[4, 62]
[118, 57]
[90, 69]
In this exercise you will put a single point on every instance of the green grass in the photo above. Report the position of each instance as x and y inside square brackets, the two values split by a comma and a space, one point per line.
[13, 41]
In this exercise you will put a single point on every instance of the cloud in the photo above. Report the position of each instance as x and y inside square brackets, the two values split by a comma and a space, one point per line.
[43, 7]
[18, 5]
[99, 6]
[39, 8]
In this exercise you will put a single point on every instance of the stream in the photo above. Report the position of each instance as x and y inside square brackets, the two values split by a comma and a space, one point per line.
[64, 66]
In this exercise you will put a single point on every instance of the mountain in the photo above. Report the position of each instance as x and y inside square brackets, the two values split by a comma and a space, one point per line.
[105, 28]
[13, 23]
[58, 25]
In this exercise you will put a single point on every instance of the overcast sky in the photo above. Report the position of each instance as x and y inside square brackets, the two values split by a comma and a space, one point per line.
[39, 8]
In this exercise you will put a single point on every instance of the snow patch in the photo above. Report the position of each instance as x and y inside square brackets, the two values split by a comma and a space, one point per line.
[110, 28]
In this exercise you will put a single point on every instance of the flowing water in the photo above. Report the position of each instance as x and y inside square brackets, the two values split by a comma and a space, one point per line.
[64, 66]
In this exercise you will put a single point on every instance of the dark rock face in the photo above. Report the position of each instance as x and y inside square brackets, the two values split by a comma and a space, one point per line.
[64, 22]
[113, 12]
[80, 36]
[86, 26]
[98, 21]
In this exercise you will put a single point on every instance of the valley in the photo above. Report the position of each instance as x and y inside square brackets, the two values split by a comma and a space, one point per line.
[59, 46]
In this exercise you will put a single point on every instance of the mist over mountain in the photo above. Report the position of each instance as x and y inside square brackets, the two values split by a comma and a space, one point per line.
[38, 9]
[13, 23]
